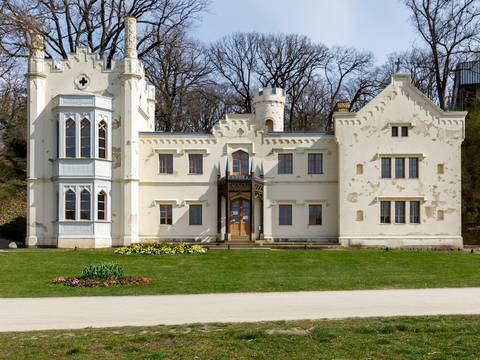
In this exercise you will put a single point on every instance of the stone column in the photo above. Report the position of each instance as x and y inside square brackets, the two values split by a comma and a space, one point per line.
[131, 76]
[36, 90]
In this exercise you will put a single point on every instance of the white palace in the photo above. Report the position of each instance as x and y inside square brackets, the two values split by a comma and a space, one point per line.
[100, 176]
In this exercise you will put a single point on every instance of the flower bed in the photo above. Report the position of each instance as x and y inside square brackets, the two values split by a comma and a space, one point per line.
[162, 248]
[101, 275]
[79, 282]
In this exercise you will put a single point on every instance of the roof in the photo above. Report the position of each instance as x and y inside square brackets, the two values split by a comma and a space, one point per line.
[467, 73]
[299, 133]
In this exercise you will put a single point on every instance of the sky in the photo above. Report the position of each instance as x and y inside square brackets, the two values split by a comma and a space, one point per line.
[381, 26]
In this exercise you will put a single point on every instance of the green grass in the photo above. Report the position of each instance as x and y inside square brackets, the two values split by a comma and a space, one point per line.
[440, 337]
[26, 272]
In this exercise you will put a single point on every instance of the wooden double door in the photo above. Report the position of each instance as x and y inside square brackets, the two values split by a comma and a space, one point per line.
[240, 217]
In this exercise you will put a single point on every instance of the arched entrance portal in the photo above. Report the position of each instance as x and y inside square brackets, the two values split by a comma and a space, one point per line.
[240, 216]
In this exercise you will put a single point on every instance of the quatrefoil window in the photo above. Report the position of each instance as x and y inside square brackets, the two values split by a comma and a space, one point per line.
[82, 81]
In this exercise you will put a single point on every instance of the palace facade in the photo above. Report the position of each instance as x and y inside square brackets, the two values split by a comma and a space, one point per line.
[100, 176]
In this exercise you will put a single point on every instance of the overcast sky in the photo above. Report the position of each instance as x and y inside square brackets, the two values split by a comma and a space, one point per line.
[382, 26]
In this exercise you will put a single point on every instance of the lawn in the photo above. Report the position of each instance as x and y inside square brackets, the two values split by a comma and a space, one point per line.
[439, 337]
[26, 272]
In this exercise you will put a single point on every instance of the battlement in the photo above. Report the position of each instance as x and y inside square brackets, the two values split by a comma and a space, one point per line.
[269, 94]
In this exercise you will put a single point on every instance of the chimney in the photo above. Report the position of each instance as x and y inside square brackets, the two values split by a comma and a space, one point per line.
[130, 37]
[342, 106]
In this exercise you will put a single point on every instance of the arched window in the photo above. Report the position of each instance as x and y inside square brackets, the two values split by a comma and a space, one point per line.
[70, 139]
[269, 125]
[102, 140]
[70, 205]
[102, 206]
[240, 163]
[85, 205]
[85, 138]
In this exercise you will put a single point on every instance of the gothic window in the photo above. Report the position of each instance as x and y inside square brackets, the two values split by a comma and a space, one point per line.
[240, 163]
[85, 138]
[102, 140]
[85, 205]
[101, 205]
[70, 205]
[70, 139]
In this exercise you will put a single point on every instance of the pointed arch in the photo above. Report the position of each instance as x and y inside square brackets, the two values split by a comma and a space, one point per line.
[70, 134]
[102, 139]
[85, 205]
[70, 205]
[102, 206]
[240, 163]
[85, 138]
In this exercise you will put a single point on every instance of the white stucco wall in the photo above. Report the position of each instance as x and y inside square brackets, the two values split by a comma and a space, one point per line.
[232, 134]
[434, 136]
[130, 173]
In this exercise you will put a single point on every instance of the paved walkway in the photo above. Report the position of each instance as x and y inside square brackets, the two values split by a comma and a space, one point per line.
[110, 311]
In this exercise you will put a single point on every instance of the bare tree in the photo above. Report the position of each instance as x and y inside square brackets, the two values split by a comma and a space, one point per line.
[312, 106]
[176, 68]
[290, 62]
[98, 24]
[418, 63]
[450, 28]
[344, 64]
[235, 59]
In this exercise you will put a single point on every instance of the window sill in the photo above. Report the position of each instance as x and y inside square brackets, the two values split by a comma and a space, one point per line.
[82, 158]
[84, 221]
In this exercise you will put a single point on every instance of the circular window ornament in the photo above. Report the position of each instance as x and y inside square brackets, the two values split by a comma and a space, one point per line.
[82, 82]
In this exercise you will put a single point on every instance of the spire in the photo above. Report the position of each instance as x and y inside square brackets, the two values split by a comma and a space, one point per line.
[227, 168]
[130, 37]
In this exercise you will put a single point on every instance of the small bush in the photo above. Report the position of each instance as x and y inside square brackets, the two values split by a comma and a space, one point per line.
[102, 271]
[161, 249]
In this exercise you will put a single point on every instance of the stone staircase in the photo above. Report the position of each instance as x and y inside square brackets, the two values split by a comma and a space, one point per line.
[244, 243]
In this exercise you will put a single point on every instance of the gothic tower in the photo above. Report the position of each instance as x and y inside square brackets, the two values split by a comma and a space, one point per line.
[269, 107]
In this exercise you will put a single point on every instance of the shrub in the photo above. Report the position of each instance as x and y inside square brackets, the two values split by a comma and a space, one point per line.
[161, 248]
[102, 271]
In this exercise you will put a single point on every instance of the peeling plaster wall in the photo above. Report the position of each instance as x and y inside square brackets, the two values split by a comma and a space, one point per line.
[434, 135]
